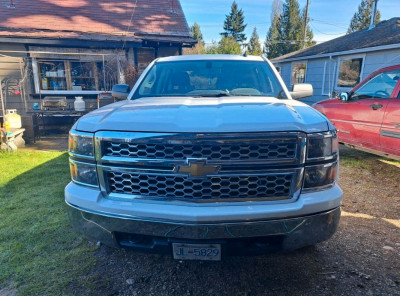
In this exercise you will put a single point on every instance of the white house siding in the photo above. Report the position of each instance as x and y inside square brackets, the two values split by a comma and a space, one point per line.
[286, 71]
[314, 72]
[376, 60]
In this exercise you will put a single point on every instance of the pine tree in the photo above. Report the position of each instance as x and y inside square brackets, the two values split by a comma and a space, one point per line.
[272, 46]
[234, 25]
[254, 46]
[286, 33]
[362, 18]
[308, 39]
[196, 33]
[198, 36]
[291, 26]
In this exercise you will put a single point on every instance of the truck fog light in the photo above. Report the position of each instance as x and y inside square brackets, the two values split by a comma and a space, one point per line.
[83, 173]
[320, 176]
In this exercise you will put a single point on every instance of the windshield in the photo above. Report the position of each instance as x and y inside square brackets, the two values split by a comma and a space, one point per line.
[205, 78]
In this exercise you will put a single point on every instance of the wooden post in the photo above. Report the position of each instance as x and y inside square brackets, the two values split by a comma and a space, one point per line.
[2, 102]
[305, 24]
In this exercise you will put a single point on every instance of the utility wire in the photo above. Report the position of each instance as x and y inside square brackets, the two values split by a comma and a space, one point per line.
[327, 23]
[129, 25]
[332, 34]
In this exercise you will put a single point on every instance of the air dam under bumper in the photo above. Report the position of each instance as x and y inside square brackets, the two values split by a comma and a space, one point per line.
[242, 238]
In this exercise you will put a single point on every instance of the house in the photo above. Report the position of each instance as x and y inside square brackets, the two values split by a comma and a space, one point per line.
[82, 48]
[339, 64]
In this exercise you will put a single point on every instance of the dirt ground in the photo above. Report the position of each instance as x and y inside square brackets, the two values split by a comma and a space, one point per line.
[363, 257]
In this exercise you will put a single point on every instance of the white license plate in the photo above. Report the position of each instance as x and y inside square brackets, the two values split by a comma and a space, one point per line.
[208, 252]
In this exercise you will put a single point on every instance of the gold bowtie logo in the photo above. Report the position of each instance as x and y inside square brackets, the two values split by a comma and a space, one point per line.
[198, 168]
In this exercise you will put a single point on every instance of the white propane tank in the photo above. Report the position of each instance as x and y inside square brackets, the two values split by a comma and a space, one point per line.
[13, 118]
[79, 104]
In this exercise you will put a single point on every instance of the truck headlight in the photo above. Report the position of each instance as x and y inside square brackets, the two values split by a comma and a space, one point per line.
[81, 144]
[83, 173]
[320, 176]
[322, 146]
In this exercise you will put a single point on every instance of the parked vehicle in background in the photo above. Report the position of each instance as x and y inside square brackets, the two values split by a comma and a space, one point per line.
[368, 117]
[208, 156]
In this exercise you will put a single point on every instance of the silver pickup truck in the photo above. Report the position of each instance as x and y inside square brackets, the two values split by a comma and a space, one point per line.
[208, 156]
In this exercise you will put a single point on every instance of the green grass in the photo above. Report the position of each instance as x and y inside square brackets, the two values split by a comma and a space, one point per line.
[40, 254]
[353, 158]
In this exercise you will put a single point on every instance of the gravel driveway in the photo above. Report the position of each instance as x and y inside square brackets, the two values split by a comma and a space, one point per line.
[363, 257]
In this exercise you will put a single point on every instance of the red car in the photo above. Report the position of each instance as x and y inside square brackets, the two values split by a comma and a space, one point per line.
[368, 117]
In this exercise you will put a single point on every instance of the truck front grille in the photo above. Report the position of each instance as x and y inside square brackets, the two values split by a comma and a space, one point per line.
[195, 167]
[213, 187]
[278, 149]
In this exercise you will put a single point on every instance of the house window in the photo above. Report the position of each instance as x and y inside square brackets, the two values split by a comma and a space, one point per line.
[84, 76]
[56, 75]
[52, 75]
[349, 72]
[299, 73]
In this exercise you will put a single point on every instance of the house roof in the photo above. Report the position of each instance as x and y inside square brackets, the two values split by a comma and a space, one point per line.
[135, 20]
[384, 33]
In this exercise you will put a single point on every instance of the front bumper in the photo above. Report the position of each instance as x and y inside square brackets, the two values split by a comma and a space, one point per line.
[242, 238]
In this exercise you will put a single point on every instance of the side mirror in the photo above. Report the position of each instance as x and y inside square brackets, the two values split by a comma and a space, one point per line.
[302, 90]
[120, 91]
[344, 96]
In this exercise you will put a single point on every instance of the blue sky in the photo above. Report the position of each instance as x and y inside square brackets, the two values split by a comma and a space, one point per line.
[329, 18]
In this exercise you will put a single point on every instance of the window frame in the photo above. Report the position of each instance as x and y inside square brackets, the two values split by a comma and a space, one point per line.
[329, 71]
[305, 72]
[345, 58]
[37, 82]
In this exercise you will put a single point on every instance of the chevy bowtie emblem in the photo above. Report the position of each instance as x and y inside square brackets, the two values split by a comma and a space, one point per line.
[198, 168]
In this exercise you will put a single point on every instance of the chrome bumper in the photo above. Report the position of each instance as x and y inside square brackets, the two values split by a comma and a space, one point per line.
[295, 232]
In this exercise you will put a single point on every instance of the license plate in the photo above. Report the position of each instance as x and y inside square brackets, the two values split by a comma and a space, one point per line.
[207, 252]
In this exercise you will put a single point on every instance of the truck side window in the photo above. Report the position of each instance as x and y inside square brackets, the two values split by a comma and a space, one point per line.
[379, 87]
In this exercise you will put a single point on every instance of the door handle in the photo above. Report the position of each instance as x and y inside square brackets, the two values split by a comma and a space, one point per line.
[376, 106]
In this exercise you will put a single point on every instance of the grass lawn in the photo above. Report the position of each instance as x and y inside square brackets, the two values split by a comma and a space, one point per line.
[40, 254]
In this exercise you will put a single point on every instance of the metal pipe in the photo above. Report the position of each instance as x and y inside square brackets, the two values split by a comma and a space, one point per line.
[373, 14]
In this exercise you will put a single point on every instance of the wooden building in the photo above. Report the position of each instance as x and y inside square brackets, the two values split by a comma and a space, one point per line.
[74, 48]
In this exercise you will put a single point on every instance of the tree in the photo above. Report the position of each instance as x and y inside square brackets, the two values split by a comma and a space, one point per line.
[234, 25]
[254, 46]
[362, 18]
[196, 33]
[272, 46]
[198, 36]
[212, 49]
[286, 33]
[229, 45]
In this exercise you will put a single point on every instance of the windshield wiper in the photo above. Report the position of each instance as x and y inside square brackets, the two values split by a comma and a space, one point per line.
[219, 94]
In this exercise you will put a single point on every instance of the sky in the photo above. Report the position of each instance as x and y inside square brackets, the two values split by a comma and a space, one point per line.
[329, 18]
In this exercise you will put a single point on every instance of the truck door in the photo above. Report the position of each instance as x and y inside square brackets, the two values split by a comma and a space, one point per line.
[390, 131]
[367, 106]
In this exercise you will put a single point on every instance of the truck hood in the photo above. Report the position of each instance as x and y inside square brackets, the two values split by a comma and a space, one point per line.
[204, 115]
